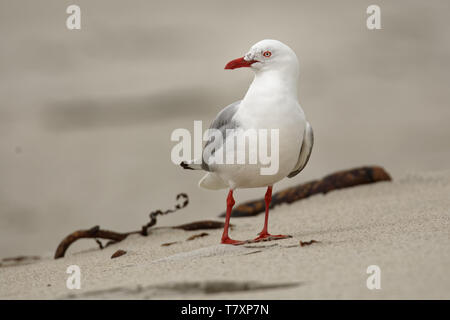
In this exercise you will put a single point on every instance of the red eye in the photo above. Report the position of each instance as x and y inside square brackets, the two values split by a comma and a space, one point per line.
[267, 54]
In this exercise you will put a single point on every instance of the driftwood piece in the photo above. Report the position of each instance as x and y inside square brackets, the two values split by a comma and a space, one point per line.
[169, 243]
[195, 236]
[96, 232]
[201, 225]
[118, 253]
[115, 237]
[334, 181]
[307, 243]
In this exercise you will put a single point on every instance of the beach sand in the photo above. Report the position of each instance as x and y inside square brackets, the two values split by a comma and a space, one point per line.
[401, 226]
[86, 118]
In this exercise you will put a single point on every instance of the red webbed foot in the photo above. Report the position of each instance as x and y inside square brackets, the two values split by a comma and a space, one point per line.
[231, 241]
[264, 236]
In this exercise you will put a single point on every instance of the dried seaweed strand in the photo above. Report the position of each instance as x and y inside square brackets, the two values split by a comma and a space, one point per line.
[96, 232]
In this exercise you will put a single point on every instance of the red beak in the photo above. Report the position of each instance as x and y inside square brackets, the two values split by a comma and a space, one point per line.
[239, 63]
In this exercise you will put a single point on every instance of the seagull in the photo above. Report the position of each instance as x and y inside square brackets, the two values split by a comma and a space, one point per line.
[271, 102]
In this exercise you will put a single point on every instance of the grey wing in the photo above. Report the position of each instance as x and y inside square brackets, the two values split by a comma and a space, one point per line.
[305, 150]
[222, 122]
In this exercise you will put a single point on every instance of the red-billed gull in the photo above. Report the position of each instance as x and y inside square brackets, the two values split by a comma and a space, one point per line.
[271, 103]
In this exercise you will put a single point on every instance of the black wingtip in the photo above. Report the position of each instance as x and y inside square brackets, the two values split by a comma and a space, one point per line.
[184, 165]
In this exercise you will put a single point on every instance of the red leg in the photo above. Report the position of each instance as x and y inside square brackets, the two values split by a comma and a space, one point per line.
[225, 238]
[264, 234]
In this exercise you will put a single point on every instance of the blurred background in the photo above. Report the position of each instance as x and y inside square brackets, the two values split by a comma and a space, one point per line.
[86, 115]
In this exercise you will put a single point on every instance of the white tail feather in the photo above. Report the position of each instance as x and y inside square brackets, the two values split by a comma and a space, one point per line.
[212, 181]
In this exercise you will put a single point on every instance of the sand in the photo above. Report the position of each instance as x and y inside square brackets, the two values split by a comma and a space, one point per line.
[86, 116]
[85, 124]
[401, 226]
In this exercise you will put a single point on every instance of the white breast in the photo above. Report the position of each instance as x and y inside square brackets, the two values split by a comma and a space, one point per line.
[287, 118]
